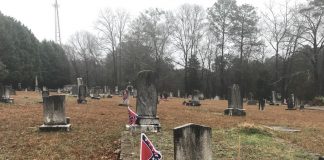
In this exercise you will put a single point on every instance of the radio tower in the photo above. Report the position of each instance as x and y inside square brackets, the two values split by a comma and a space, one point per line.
[57, 24]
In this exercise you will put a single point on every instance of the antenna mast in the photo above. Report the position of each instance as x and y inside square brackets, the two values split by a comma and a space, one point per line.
[57, 24]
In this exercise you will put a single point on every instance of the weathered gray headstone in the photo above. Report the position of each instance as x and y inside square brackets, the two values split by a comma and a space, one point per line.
[82, 94]
[195, 98]
[179, 93]
[251, 100]
[6, 94]
[146, 103]
[94, 93]
[19, 87]
[235, 102]
[192, 142]
[36, 84]
[274, 100]
[290, 102]
[79, 81]
[54, 114]
[116, 90]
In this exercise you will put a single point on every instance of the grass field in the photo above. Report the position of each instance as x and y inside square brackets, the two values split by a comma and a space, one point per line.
[98, 125]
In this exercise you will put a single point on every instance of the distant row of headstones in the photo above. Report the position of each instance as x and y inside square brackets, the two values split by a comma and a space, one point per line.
[191, 141]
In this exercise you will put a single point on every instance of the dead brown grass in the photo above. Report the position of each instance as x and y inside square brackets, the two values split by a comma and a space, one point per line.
[97, 126]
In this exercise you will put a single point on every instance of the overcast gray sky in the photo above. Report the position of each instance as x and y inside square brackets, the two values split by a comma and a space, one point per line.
[77, 15]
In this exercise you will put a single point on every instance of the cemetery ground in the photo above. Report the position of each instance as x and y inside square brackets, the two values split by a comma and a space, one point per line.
[97, 128]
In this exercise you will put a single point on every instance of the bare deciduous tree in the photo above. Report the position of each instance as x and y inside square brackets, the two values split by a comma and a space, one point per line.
[112, 27]
[188, 31]
[86, 46]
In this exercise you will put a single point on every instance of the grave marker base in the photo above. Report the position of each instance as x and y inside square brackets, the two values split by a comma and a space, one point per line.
[145, 124]
[234, 112]
[48, 128]
[80, 101]
[7, 100]
[143, 128]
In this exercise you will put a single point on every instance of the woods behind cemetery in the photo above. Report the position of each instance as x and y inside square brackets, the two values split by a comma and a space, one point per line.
[191, 48]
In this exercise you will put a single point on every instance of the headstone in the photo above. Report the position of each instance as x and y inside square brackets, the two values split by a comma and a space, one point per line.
[195, 98]
[235, 102]
[79, 81]
[290, 102]
[6, 95]
[36, 84]
[216, 98]
[19, 87]
[6, 92]
[146, 103]
[179, 93]
[171, 94]
[94, 93]
[192, 142]
[82, 94]
[106, 89]
[59, 91]
[54, 114]
[116, 90]
[274, 98]
[45, 92]
[251, 100]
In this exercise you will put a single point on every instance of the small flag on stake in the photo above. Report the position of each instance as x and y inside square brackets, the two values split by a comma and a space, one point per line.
[132, 117]
[148, 152]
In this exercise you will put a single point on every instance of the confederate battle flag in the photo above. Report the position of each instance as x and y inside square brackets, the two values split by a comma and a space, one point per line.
[148, 152]
[132, 117]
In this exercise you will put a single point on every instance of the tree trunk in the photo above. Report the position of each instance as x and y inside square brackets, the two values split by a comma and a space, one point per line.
[222, 91]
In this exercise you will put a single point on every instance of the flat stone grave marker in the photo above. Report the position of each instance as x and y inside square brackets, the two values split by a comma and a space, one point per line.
[54, 114]
[192, 142]
[235, 102]
[282, 129]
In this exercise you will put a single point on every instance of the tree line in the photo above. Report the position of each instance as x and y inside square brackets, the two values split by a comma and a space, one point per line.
[190, 48]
